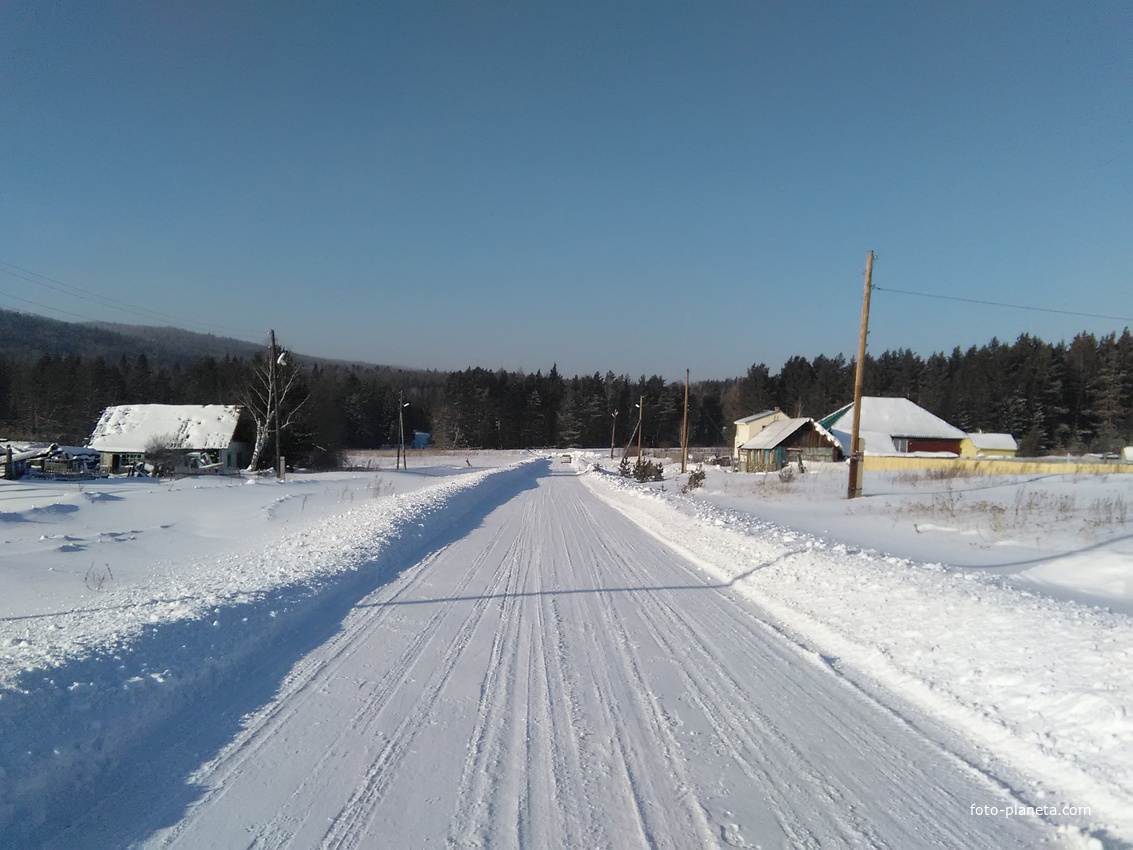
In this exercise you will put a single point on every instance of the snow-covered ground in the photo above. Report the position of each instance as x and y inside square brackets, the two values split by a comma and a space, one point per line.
[997, 605]
[989, 616]
[126, 597]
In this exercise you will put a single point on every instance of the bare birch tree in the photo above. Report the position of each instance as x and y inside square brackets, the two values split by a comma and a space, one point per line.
[265, 398]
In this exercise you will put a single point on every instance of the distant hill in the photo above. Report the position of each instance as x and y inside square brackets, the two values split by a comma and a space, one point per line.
[25, 336]
[180, 346]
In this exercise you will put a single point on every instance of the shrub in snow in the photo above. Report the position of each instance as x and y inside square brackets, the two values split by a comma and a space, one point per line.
[160, 456]
[695, 480]
[647, 470]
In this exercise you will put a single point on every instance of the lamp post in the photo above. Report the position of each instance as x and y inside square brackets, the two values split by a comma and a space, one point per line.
[277, 357]
[684, 429]
[613, 435]
[402, 462]
[640, 419]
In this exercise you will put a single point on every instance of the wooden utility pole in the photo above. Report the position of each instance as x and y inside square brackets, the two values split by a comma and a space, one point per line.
[684, 429]
[855, 486]
[401, 432]
[613, 434]
[273, 402]
[640, 419]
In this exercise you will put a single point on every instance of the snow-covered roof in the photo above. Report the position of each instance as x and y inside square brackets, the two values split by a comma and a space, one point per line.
[993, 442]
[761, 415]
[893, 417]
[873, 442]
[197, 427]
[72, 452]
[777, 432]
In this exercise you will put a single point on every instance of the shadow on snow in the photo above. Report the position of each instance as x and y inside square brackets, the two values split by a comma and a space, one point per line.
[88, 765]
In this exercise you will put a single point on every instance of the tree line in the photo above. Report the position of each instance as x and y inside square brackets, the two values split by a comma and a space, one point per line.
[1061, 397]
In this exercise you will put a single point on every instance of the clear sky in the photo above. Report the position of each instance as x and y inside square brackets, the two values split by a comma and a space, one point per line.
[639, 187]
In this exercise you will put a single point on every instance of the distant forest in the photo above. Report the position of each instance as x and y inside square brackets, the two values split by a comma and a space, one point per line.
[1052, 397]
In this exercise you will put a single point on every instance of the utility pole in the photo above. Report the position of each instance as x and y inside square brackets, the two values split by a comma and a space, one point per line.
[401, 461]
[273, 402]
[613, 434]
[855, 486]
[640, 419]
[684, 429]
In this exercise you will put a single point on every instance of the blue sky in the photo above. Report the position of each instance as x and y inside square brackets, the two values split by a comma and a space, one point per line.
[639, 187]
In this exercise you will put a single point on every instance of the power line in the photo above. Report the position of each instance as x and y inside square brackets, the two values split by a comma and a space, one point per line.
[1003, 304]
[93, 298]
[78, 292]
[45, 307]
[66, 288]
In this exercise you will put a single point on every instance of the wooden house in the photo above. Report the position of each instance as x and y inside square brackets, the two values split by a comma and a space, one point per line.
[196, 438]
[894, 426]
[749, 426]
[786, 440]
[979, 444]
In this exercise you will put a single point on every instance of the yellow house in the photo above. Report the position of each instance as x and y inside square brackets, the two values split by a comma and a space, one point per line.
[979, 444]
[749, 426]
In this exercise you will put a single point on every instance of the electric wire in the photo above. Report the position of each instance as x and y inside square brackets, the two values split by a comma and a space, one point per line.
[82, 294]
[45, 307]
[94, 298]
[1001, 304]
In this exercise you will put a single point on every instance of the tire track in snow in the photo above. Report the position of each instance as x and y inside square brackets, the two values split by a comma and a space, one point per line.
[485, 760]
[732, 709]
[311, 671]
[744, 735]
[761, 744]
[347, 829]
[310, 680]
[370, 711]
[512, 783]
[546, 777]
[587, 688]
[302, 685]
[661, 802]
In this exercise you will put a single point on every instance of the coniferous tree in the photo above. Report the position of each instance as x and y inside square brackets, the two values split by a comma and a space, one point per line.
[796, 380]
[1108, 396]
[1082, 367]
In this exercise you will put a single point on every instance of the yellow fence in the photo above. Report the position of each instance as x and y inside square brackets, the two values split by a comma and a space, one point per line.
[874, 463]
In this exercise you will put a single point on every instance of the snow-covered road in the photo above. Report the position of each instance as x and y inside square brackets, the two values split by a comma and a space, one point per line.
[552, 677]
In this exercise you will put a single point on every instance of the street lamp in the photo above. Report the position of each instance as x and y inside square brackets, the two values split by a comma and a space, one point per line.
[613, 434]
[401, 459]
[277, 359]
[640, 417]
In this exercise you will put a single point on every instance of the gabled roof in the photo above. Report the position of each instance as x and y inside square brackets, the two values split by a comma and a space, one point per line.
[777, 432]
[894, 417]
[194, 427]
[756, 416]
[993, 442]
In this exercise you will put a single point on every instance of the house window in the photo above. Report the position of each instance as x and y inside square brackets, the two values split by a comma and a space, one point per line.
[901, 444]
[125, 460]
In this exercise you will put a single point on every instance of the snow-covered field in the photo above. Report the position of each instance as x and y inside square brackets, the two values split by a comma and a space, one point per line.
[991, 617]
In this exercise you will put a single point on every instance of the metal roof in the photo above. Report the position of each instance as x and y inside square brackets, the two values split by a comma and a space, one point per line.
[777, 432]
[756, 416]
[896, 417]
[993, 442]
